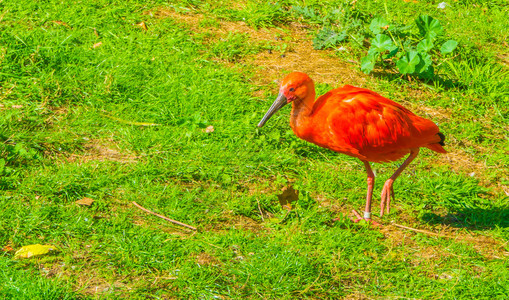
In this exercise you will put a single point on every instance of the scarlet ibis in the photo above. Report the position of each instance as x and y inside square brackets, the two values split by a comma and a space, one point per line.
[360, 123]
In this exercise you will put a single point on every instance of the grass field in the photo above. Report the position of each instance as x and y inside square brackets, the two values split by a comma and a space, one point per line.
[157, 102]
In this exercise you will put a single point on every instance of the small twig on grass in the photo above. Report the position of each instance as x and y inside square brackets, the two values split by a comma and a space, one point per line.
[260, 210]
[425, 231]
[163, 217]
[456, 237]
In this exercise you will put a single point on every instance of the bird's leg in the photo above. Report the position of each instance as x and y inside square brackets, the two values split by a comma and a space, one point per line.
[369, 196]
[388, 191]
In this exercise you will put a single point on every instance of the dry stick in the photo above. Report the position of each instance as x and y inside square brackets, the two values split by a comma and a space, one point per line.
[260, 210]
[424, 231]
[447, 236]
[163, 217]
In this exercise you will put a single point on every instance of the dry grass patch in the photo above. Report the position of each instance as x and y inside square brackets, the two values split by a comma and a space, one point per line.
[484, 245]
[102, 150]
[205, 259]
[91, 283]
[229, 219]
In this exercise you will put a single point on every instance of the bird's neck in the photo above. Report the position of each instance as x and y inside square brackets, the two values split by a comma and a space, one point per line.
[300, 119]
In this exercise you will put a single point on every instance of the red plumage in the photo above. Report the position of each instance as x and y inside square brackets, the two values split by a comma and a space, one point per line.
[361, 123]
[357, 122]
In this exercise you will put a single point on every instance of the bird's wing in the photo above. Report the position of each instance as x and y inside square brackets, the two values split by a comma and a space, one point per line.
[367, 121]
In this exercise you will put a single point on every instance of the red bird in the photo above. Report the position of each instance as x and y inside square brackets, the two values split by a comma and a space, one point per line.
[360, 123]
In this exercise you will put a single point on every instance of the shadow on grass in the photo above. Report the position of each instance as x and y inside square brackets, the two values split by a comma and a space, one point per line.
[472, 218]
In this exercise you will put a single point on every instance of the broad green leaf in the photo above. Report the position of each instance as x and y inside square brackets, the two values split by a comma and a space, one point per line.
[33, 250]
[424, 63]
[377, 24]
[368, 63]
[425, 45]
[448, 46]
[428, 27]
[381, 43]
[428, 73]
[407, 63]
[408, 45]
[392, 52]
[427, 59]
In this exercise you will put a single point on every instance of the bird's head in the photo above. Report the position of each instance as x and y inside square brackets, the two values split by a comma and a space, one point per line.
[295, 87]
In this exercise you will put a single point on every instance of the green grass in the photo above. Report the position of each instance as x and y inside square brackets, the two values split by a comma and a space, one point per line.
[70, 128]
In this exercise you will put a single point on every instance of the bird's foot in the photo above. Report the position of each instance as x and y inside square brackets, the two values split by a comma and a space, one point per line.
[367, 218]
[387, 193]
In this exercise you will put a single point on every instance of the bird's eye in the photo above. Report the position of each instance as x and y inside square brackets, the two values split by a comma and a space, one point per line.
[292, 90]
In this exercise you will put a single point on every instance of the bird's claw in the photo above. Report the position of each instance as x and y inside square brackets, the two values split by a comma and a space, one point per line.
[387, 193]
[365, 218]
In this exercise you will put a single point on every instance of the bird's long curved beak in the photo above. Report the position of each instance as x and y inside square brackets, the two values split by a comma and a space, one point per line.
[280, 102]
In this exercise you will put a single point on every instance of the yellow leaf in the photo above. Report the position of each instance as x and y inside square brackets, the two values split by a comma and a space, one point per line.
[99, 44]
[33, 250]
[85, 201]
[61, 23]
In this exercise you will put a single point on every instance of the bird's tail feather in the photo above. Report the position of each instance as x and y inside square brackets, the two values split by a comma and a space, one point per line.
[442, 139]
[437, 147]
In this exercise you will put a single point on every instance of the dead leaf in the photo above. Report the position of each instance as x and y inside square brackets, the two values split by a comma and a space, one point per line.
[97, 45]
[33, 250]
[209, 129]
[7, 249]
[17, 106]
[61, 23]
[85, 201]
[288, 195]
[143, 25]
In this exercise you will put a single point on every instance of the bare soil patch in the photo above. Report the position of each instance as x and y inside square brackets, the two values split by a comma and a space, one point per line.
[298, 55]
[484, 245]
[206, 259]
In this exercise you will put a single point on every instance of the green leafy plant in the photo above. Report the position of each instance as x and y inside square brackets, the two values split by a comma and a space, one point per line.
[15, 154]
[411, 54]
[338, 25]
[328, 38]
